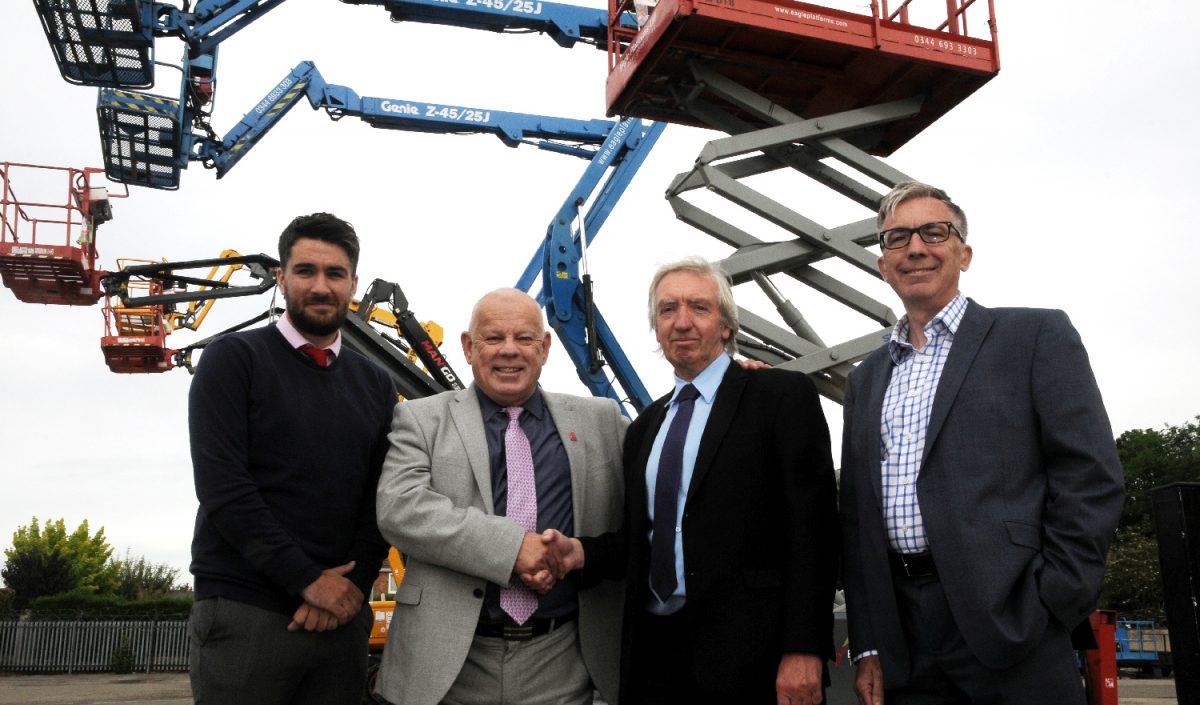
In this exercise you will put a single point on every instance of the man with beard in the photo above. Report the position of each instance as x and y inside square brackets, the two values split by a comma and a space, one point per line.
[288, 433]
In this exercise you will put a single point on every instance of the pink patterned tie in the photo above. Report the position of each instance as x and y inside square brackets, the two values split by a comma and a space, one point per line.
[519, 601]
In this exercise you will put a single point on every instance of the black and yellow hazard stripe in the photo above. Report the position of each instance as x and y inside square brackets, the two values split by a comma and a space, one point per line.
[140, 102]
[284, 101]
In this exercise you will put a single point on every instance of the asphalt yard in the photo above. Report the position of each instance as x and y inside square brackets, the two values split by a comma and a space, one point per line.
[173, 689]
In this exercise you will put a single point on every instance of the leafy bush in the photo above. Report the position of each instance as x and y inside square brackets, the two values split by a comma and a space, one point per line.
[122, 658]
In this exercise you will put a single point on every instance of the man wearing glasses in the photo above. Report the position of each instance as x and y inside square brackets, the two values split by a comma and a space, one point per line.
[980, 484]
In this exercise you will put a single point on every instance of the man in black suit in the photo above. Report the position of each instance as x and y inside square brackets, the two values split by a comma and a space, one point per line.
[730, 536]
[980, 484]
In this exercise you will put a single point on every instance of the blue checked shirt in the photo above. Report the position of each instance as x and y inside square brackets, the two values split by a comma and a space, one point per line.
[905, 420]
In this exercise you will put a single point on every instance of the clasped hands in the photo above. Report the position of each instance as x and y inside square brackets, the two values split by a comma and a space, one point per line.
[546, 558]
[330, 601]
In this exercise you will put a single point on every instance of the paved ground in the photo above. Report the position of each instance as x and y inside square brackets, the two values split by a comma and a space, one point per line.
[173, 689]
[96, 689]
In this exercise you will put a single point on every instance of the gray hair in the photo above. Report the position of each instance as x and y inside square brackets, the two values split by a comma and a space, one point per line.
[725, 304]
[908, 190]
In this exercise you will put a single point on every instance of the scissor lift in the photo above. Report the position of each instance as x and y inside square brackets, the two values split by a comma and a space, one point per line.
[48, 235]
[798, 86]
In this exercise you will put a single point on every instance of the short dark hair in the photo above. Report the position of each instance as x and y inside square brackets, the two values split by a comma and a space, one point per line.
[320, 226]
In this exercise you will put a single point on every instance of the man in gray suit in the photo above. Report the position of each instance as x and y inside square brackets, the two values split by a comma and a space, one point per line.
[471, 481]
[980, 484]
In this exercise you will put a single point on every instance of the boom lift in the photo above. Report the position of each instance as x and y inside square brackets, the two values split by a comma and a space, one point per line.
[48, 246]
[795, 84]
[140, 309]
[145, 311]
[148, 139]
[565, 24]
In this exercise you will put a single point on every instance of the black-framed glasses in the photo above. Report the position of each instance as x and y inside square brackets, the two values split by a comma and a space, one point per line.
[934, 233]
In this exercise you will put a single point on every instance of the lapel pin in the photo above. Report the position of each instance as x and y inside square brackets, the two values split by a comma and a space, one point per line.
[573, 438]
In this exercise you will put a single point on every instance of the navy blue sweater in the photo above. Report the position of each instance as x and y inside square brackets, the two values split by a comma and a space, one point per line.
[286, 457]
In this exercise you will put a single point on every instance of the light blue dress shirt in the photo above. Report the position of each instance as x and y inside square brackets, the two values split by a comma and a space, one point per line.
[706, 383]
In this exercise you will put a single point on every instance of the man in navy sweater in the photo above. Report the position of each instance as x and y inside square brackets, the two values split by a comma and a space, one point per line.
[288, 433]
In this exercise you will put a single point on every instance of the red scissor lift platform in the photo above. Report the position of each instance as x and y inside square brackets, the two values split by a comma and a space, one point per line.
[47, 238]
[808, 59]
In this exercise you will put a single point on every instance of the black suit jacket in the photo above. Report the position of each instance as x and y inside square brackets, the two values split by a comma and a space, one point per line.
[760, 533]
[1020, 489]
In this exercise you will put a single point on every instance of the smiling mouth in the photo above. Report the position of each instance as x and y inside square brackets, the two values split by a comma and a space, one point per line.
[508, 370]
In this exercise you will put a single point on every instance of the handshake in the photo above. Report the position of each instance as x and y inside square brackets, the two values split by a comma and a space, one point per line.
[546, 558]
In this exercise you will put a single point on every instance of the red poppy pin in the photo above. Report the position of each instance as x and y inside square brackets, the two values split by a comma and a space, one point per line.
[573, 438]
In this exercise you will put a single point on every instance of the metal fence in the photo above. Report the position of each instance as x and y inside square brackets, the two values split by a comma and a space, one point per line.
[80, 646]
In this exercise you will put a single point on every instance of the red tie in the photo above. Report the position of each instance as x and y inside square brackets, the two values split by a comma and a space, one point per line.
[319, 355]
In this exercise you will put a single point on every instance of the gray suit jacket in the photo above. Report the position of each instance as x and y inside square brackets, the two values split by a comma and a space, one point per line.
[435, 505]
[1020, 489]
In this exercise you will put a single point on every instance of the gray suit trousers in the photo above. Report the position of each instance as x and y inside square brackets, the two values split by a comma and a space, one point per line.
[245, 654]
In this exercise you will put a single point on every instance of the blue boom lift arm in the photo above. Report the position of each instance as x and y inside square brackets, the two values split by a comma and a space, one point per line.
[563, 135]
[565, 24]
[148, 139]
[615, 150]
[566, 290]
[111, 44]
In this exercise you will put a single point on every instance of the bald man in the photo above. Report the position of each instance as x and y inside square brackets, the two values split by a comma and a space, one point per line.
[471, 480]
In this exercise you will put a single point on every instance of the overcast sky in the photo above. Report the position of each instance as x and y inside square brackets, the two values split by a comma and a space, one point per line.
[1075, 166]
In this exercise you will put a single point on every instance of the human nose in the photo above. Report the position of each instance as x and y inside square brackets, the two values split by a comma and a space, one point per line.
[916, 247]
[320, 284]
[508, 346]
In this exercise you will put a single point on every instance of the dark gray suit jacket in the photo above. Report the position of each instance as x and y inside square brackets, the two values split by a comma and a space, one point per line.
[1020, 489]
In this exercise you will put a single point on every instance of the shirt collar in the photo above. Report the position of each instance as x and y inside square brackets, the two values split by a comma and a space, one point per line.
[708, 380]
[534, 404]
[297, 339]
[946, 320]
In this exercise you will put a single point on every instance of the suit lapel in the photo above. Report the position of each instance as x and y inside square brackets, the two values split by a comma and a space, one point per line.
[872, 410]
[976, 322]
[635, 476]
[468, 420]
[729, 395]
[568, 423]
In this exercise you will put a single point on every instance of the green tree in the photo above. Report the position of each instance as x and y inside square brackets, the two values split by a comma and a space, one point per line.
[140, 579]
[32, 574]
[40, 556]
[1150, 458]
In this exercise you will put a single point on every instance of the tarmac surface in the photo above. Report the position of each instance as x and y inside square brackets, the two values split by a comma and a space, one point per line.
[174, 689]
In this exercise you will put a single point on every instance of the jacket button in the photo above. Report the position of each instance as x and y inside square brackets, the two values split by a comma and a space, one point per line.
[477, 592]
